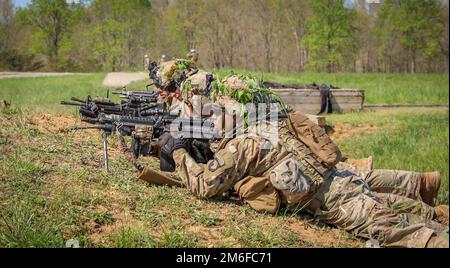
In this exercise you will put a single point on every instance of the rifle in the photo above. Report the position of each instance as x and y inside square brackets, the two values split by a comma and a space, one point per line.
[133, 103]
[149, 96]
[148, 129]
[91, 107]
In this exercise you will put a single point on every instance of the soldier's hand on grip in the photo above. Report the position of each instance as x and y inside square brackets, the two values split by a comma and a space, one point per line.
[168, 144]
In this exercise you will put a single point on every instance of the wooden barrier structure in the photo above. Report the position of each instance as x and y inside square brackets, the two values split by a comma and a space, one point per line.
[309, 100]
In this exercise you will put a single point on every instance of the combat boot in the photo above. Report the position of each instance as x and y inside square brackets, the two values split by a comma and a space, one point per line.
[441, 214]
[429, 186]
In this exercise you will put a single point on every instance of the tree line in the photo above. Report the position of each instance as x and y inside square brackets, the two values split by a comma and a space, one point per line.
[259, 35]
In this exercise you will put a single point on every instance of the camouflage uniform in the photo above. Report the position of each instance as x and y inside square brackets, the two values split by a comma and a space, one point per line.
[403, 183]
[347, 202]
[192, 55]
[197, 84]
[289, 174]
[399, 188]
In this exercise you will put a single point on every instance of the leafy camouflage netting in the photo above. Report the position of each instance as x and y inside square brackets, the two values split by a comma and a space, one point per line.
[175, 71]
[246, 89]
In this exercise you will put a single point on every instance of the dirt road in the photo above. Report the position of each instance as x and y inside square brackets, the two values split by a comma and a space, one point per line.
[115, 79]
[32, 74]
[119, 79]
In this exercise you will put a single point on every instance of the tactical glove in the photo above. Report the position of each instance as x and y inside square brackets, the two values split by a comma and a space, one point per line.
[168, 144]
[201, 151]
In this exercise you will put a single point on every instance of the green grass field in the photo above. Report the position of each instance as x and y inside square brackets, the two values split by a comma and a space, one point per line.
[53, 188]
[407, 139]
[44, 93]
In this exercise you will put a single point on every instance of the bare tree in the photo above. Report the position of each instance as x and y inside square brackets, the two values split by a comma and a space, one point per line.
[7, 27]
[296, 13]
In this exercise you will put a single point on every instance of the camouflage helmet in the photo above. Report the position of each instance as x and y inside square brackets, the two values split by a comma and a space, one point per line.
[248, 89]
[197, 84]
[171, 74]
[234, 82]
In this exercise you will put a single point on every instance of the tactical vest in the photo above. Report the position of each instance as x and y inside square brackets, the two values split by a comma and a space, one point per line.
[309, 164]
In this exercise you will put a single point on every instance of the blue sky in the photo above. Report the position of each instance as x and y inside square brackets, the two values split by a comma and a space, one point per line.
[21, 3]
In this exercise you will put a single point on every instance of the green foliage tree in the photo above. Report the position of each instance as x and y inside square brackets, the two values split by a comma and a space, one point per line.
[49, 20]
[177, 33]
[330, 37]
[11, 56]
[114, 30]
[7, 57]
[418, 24]
[269, 35]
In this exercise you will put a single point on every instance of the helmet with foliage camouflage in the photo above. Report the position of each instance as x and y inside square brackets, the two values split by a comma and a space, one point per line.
[246, 89]
[197, 84]
[171, 74]
[234, 82]
[235, 92]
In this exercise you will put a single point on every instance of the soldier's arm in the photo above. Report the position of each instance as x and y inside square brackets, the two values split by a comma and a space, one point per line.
[219, 174]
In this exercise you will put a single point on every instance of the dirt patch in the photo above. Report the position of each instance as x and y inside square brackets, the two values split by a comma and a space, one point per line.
[99, 231]
[316, 233]
[320, 236]
[61, 125]
[49, 123]
[345, 131]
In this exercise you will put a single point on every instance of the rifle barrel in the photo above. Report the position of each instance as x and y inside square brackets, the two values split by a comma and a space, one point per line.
[78, 100]
[86, 127]
[87, 112]
[72, 103]
[107, 128]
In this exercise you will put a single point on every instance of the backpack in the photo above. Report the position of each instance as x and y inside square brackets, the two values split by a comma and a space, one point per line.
[315, 138]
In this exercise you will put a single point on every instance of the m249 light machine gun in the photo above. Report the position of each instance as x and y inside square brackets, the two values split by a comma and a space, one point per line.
[148, 128]
[133, 103]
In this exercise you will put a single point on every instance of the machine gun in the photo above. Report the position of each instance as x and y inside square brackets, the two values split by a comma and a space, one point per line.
[133, 103]
[142, 97]
[148, 129]
[91, 107]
